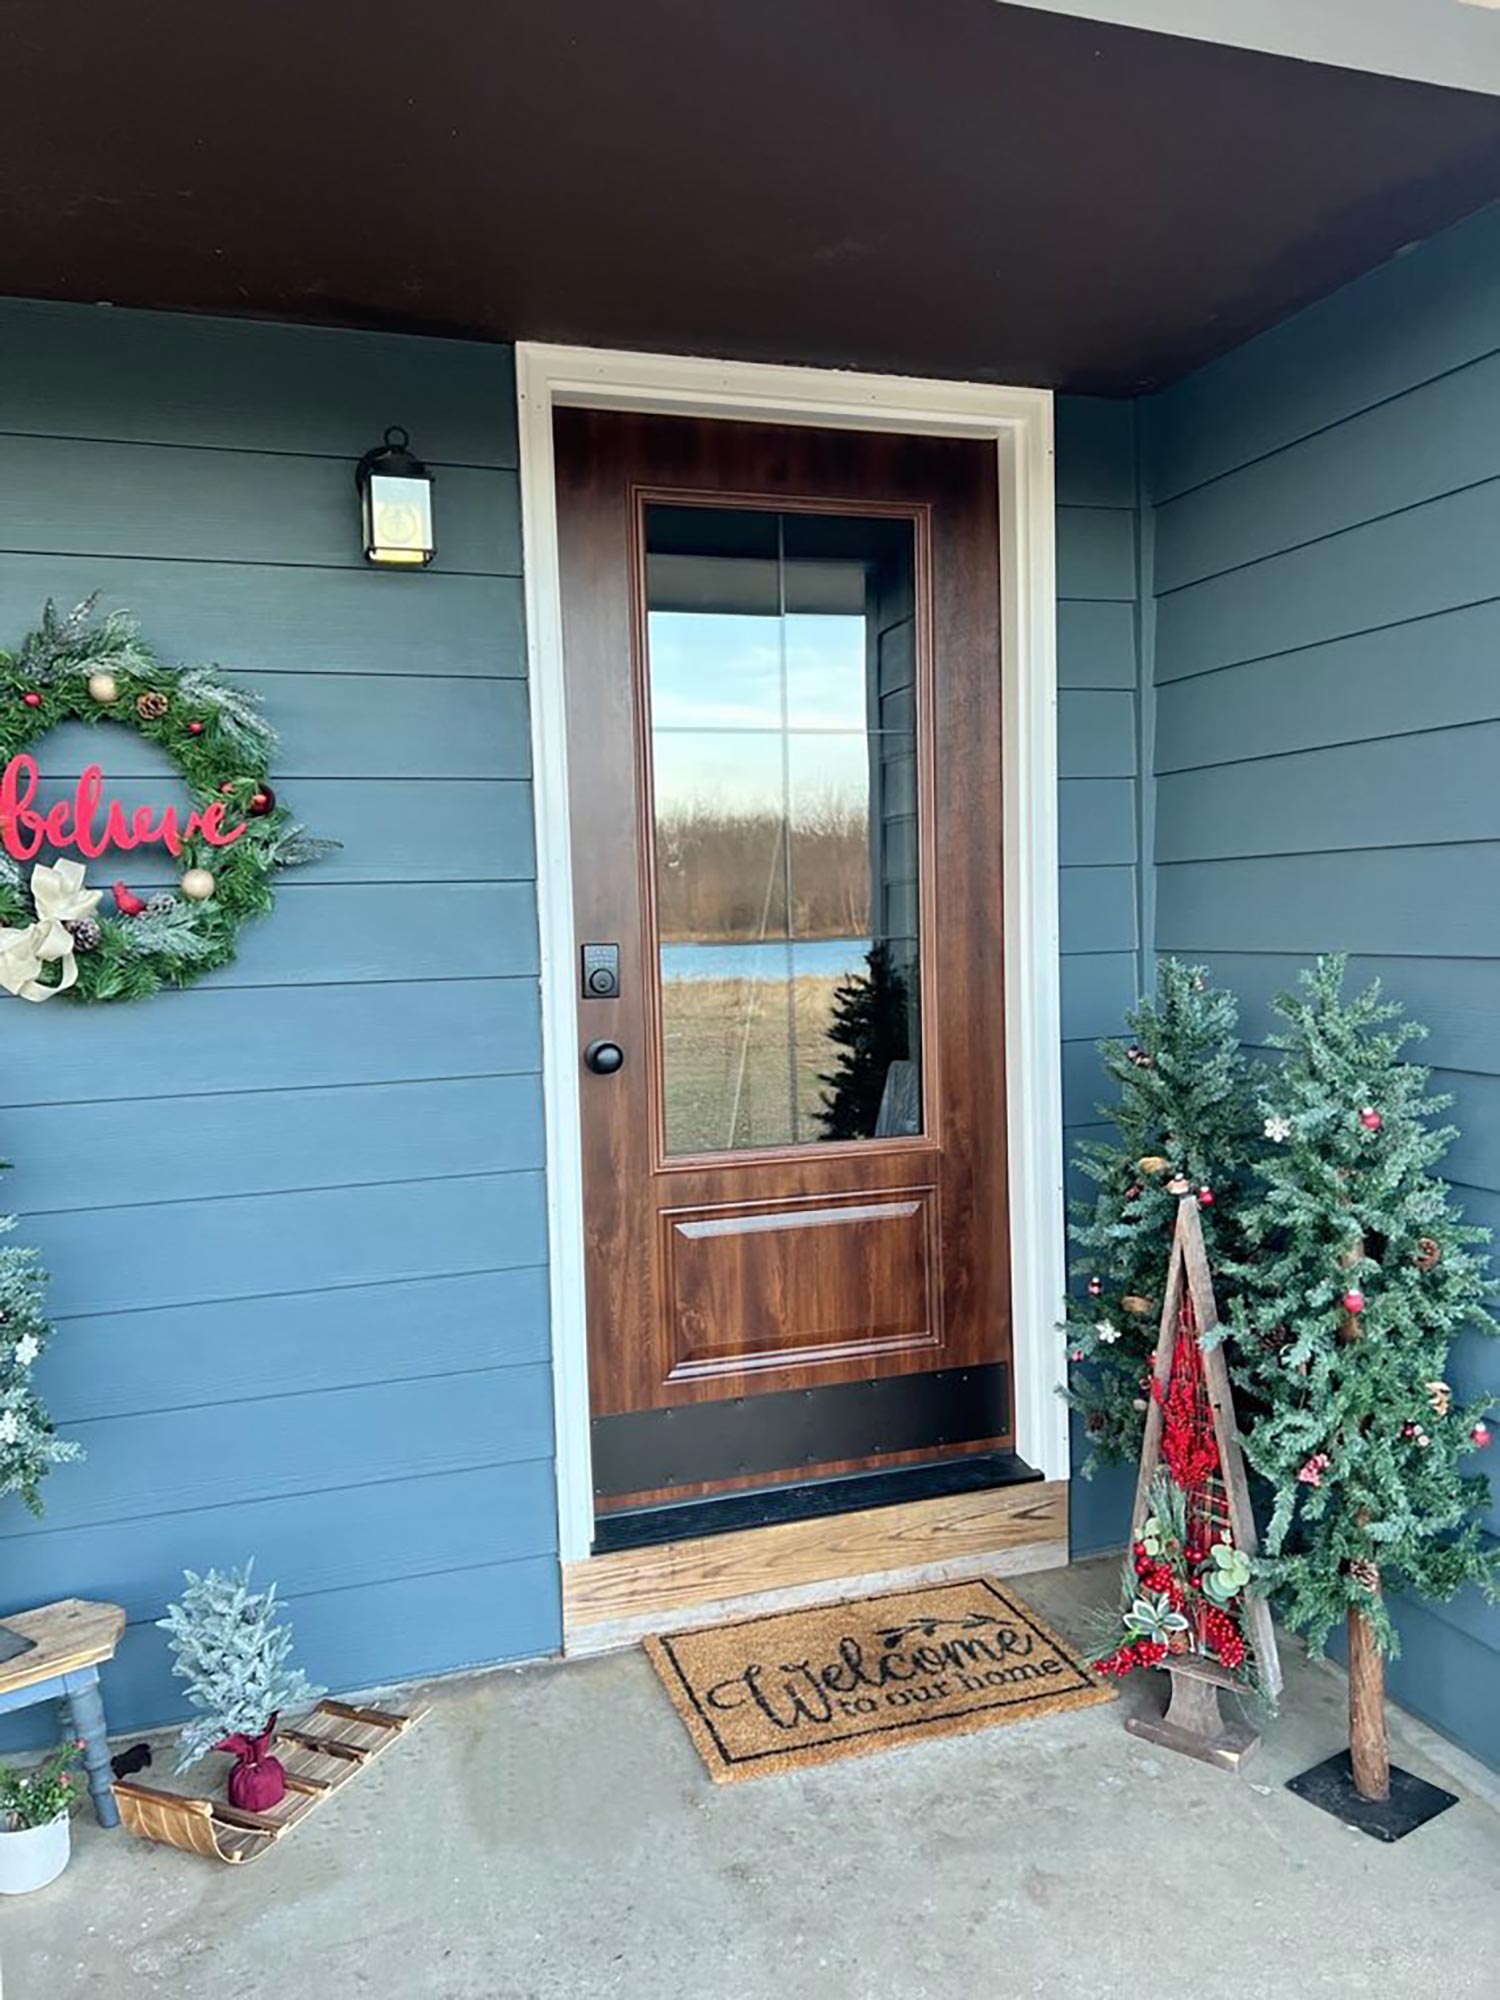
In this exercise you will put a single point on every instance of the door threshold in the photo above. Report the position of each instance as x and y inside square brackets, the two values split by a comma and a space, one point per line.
[809, 1500]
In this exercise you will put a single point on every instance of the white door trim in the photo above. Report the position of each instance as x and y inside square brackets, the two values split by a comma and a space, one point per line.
[1019, 421]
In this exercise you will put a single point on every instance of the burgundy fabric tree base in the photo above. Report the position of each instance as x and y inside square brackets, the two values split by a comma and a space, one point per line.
[257, 1781]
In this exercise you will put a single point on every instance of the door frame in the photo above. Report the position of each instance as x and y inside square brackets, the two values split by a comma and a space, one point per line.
[1019, 422]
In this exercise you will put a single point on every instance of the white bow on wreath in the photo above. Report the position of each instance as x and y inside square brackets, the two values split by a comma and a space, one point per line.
[60, 899]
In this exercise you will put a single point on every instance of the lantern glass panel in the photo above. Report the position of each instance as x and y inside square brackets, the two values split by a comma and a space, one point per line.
[398, 520]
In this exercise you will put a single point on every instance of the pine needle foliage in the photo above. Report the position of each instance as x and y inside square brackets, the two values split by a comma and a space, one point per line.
[870, 1026]
[29, 1445]
[227, 1645]
[1369, 1454]
[1185, 1113]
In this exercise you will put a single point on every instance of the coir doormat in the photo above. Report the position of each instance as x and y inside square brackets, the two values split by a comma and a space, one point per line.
[839, 1680]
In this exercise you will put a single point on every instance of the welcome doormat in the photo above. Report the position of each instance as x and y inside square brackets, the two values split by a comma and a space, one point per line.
[839, 1680]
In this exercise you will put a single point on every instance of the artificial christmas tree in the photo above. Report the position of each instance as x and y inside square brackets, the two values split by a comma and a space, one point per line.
[29, 1447]
[870, 1022]
[1358, 1274]
[1186, 1122]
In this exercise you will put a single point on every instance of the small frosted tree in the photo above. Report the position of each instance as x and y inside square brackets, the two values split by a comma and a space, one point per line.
[227, 1645]
[1359, 1274]
[29, 1446]
[1185, 1122]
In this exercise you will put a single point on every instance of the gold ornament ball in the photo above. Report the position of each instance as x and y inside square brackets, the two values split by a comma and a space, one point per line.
[104, 687]
[197, 885]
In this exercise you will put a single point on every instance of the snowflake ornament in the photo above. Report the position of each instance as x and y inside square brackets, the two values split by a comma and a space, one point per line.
[1278, 1129]
[10, 1428]
[28, 1347]
[1107, 1331]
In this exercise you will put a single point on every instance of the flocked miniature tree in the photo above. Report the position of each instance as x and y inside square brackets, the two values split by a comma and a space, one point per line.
[29, 1447]
[228, 1646]
[1184, 1124]
[1359, 1274]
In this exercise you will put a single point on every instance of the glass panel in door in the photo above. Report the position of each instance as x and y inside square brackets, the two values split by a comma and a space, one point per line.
[782, 691]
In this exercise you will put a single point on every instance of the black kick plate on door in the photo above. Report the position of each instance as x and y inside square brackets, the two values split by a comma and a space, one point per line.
[744, 1436]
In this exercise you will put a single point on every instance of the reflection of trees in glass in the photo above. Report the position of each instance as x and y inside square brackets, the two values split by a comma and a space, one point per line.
[723, 874]
[870, 1023]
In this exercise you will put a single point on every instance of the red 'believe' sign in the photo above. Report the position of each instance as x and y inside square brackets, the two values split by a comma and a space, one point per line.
[77, 822]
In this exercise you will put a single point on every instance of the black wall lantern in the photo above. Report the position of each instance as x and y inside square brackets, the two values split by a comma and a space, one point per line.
[395, 503]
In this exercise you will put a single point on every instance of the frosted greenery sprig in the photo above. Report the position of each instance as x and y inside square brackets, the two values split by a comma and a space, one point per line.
[227, 1645]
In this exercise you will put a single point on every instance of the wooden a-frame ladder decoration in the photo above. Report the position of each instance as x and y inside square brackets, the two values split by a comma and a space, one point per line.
[1193, 1722]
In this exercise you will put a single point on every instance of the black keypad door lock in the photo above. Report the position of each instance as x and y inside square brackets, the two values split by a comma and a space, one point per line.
[601, 971]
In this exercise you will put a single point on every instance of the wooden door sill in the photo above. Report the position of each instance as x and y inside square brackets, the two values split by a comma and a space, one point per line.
[807, 1500]
[614, 1600]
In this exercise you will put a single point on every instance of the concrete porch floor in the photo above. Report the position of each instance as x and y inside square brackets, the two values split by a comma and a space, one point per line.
[549, 1834]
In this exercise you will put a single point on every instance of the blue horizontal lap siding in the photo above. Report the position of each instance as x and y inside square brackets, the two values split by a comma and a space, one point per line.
[1099, 804]
[1328, 718]
[295, 1214]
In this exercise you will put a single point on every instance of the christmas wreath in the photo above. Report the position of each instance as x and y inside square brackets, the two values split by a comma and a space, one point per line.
[54, 937]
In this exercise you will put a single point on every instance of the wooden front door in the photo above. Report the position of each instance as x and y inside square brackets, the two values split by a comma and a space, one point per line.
[782, 652]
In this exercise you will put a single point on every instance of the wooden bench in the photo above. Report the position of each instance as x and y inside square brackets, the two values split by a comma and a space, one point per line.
[69, 1641]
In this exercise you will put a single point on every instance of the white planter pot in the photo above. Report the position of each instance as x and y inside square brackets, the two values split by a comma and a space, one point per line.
[34, 1857]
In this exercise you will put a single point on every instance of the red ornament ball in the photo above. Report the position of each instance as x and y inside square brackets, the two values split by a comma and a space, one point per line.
[1371, 1119]
[195, 729]
[1481, 1437]
[1205, 1197]
[1096, 1288]
[32, 699]
[1354, 1302]
[262, 802]
[227, 788]
[1133, 1193]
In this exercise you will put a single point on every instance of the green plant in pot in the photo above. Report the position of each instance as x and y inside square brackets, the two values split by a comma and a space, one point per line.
[228, 1645]
[35, 1840]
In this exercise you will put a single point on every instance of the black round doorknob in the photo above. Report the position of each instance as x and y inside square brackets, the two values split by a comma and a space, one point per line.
[603, 1058]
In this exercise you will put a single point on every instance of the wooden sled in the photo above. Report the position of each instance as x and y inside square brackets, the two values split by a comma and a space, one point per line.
[321, 1753]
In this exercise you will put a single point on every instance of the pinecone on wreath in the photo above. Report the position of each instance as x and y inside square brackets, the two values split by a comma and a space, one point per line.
[161, 904]
[86, 933]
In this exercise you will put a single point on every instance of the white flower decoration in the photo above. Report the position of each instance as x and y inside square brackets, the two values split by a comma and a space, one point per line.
[10, 1429]
[1278, 1129]
[28, 1347]
[1107, 1331]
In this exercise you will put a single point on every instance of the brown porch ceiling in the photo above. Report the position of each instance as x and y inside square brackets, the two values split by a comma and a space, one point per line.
[945, 186]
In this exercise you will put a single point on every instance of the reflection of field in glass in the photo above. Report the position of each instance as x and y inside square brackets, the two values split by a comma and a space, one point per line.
[736, 1063]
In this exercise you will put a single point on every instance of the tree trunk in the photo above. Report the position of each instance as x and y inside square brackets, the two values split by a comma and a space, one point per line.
[1369, 1751]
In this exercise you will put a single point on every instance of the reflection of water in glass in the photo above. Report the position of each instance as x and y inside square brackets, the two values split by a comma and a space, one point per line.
[817, 958]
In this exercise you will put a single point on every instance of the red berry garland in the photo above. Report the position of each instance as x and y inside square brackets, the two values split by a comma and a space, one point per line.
[1222, 1636]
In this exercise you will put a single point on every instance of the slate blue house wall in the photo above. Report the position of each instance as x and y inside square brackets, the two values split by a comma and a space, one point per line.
[1326, 592]
[1103, 809]
[294, 1215]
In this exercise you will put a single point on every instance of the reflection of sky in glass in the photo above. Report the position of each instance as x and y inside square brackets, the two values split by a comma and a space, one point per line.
[743, 772]
[714, 670]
